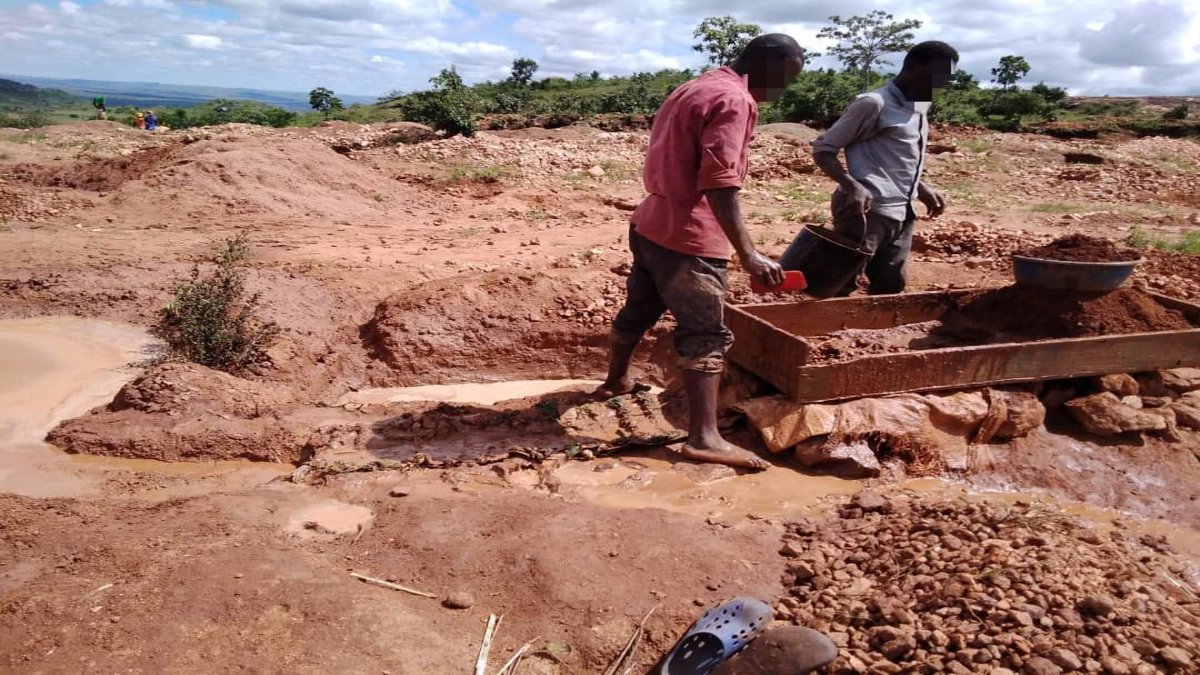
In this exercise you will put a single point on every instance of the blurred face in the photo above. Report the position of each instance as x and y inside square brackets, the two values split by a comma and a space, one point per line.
[940, 72]
[769, 80]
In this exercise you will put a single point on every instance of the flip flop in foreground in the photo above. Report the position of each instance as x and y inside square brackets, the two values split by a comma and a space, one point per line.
[725, 630]
[716, 636]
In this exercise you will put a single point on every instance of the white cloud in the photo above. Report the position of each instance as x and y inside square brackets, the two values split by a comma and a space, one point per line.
[473, 51]
[203, 41]
[1090, 46]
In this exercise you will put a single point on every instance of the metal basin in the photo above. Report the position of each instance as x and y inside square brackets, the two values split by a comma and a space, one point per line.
[1064, 275]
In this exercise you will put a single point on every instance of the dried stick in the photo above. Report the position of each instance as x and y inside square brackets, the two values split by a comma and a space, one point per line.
[624, 661]
[511, 666]
[388, 584]
[493, 625]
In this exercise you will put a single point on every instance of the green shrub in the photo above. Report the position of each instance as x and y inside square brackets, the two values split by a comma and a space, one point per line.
[1179, 112]
[31, 119]
[212, 321]
[817, 96]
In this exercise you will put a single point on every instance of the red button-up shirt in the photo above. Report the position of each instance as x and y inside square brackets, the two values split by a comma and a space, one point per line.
[700, 141]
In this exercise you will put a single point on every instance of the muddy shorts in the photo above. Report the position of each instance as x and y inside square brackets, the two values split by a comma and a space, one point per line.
[692, 288]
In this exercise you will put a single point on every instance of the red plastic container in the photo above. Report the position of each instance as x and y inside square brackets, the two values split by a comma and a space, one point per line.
[793, 281]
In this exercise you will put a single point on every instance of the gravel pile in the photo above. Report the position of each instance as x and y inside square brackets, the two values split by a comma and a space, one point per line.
[962, 587]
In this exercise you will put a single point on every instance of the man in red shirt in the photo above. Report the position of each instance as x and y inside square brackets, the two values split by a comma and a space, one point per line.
[685, 232]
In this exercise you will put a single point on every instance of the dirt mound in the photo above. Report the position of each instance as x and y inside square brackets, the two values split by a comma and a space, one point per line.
[801, 132]
[916, 588]
[229, 175]
[186, 412]
[1037, 314]
[503, 324]
[1082, 248]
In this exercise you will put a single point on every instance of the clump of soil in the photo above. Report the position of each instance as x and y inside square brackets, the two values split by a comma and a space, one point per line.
[1082, 248]
[973, 587]
[1038, 314]
[500, 324]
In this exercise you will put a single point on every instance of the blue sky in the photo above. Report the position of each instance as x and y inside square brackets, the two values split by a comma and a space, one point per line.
[373, 46]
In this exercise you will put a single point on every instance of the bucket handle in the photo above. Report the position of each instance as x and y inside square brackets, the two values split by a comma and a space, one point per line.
[862, 240]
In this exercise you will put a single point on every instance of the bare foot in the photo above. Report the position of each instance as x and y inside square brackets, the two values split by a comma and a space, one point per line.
[619, 388]
[724, 452]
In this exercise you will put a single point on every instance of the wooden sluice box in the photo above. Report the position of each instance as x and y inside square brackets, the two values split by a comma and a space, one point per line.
[773, 341]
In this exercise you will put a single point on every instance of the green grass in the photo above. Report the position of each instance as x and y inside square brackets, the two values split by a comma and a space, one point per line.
[1189, 243]
[480, 173]
[962, 193]
[975, 145]
[801, 194]
[618, 171]
[817, 216]
[536, 215]
[1054, 207]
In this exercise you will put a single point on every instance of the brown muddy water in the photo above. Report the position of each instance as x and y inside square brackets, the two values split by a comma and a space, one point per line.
[52, 369]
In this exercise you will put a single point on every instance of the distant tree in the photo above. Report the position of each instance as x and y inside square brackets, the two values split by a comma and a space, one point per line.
[1010, 71]
[817, 96]
[1055, 96]
[863, 41]
[961, 80]
[522, 71]
[323, 101]
[722, 38]
[453, 108]
[595, 76]
[447, 80]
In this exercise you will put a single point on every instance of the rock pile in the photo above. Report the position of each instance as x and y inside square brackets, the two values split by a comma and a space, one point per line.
[961, 587]
[1161, 403]
[968, 242]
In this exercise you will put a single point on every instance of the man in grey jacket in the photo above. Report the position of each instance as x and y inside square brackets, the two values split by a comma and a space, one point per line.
[884, 134]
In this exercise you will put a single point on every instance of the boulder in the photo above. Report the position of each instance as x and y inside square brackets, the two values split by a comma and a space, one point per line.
[785, 424]
[1121, 384]
[857, 459]
[1187, 415]
[1182, 380]
[959, 413]
[1024, 414]
[1104, 414]
[790, 649]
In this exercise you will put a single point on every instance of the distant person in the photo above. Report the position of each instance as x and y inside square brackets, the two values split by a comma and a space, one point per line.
[684, 233]
[884, 134]
[151, 121]
[101, 109]
[139, 121]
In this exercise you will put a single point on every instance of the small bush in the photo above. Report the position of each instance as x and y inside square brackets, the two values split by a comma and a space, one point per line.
[1188, 244]
[212, 321]
[1179, 112]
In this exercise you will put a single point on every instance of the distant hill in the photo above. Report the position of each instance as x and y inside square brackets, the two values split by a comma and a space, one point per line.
[16, 96]
[157, 95]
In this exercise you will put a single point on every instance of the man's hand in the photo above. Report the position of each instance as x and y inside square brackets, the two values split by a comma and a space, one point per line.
[767, 271]
[858, 198]
[932, 200]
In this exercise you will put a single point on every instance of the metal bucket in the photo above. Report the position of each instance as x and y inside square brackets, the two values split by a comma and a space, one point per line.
[830, 261]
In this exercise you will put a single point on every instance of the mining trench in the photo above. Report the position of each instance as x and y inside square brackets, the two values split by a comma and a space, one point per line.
[59, 368]
[425, 421]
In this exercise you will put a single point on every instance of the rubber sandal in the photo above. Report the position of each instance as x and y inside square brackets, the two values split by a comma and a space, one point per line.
[717, 635]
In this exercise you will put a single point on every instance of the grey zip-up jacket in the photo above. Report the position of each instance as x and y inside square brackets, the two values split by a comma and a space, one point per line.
[884, 136]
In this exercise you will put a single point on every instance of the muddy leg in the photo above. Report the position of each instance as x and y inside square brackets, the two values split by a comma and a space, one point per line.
[704, 438]
[621, 348]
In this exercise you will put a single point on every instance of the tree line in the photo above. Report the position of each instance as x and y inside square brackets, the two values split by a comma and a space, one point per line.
[862, 45]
